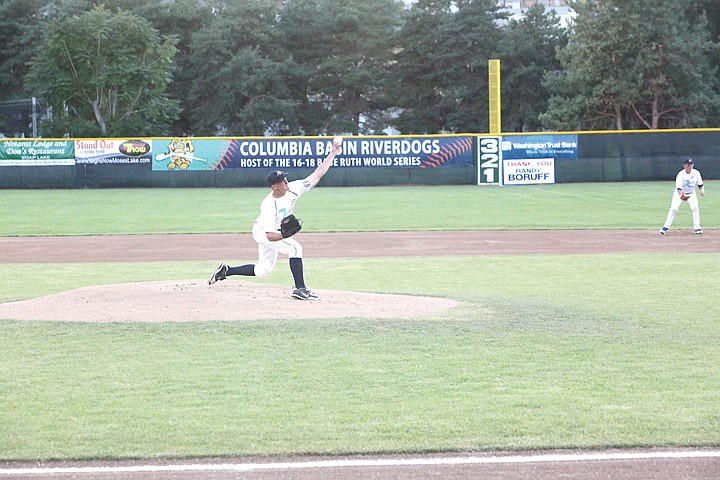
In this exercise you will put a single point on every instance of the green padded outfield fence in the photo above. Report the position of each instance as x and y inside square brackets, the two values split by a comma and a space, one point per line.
[602, 157]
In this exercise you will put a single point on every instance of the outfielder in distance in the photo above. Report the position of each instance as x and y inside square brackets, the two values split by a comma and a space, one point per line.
[686, 181]
[276, 225]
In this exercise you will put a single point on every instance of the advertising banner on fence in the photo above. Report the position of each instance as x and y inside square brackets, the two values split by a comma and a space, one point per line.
[531, 171]
[530, 159]
[272, 153]
[101, 151]
[37, 152]
[540, 146]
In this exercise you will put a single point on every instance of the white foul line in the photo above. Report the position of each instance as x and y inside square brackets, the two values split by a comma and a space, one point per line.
[349, 463]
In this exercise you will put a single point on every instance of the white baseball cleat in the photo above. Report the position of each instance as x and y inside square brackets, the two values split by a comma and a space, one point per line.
[663, 230]
[698, 231]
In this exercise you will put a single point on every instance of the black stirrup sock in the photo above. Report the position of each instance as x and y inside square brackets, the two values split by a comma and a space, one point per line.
[247, 270]
[296, 267]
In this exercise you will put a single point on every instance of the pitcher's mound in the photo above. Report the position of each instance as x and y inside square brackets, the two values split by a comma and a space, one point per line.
[192, 301]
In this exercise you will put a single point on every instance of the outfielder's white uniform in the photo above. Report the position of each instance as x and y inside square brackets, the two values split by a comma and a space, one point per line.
[687, 182]
[272, 211]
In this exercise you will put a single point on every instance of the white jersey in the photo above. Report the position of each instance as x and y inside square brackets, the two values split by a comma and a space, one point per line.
[273, 210]
[688, 181]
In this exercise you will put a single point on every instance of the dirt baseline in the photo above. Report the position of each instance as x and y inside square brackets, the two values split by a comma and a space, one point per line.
[217, 247]
[235, 300]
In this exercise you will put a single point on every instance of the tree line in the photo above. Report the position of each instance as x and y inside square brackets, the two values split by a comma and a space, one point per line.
[310, 67]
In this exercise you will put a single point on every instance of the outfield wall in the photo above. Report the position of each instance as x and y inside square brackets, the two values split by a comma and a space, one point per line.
[365, 161]
[641, 156]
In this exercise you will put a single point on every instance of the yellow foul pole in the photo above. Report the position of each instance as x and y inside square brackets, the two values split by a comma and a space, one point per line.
[494, 96]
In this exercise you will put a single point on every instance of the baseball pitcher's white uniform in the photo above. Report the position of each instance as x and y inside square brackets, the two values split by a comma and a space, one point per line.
[686, 182]
[272, 211]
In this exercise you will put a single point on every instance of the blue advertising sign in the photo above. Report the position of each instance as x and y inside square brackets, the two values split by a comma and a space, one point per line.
[285, 153]
[540, 146]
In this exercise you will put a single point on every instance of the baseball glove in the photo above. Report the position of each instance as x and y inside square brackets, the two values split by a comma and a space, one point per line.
[683, 196]
[290, 225]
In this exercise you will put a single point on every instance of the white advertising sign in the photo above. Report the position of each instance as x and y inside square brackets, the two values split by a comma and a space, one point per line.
[529, 171]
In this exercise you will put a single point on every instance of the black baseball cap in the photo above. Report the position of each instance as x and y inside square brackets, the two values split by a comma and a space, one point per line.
[276, 176]
[688, 161]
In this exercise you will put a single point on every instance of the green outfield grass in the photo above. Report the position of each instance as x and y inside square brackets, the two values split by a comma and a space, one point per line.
[545, 351]
[138, 211]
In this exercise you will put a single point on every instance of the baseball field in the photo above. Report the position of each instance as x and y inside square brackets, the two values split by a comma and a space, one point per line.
[553, 343]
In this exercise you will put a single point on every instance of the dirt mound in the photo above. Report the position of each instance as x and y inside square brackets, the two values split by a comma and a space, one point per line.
[192, 300]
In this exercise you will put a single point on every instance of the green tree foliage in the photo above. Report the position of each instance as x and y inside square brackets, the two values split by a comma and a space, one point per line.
[19, 33]
[468, 44]
[22, 27]
[251, 67]
[240, 75]
[637, 64]
[416, 85]
[710, 9]
[343, 49]
[181, 19]
[109, 71]
[441, 68]
[295, 67]
[18, 36]
[527, 53]
[299, 23]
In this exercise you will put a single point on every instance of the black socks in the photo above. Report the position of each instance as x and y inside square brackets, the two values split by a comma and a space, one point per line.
[247, 270]
[296, 267]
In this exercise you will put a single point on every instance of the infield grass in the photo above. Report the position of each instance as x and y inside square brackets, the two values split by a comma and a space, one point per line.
[545, 351]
